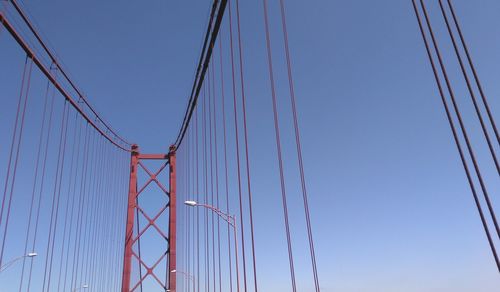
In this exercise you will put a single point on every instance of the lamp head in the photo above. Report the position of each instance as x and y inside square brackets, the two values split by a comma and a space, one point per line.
[32, 254]
[191, 203]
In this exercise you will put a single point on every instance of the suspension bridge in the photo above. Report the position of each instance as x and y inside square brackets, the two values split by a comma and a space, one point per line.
[82, 208]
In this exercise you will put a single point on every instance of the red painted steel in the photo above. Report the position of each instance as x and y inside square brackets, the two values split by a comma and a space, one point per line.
[172, 220]
[131, 239]
[132, 195]
[153, 156]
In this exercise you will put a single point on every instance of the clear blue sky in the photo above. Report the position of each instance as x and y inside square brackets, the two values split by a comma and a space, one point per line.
[391, 208]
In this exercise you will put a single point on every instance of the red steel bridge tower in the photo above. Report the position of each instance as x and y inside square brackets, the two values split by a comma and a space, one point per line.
[132, 239]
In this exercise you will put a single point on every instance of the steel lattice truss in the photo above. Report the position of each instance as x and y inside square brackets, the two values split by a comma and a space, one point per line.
[135, 231]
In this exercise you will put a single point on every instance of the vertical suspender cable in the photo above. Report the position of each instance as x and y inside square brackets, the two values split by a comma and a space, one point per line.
[298, 146]
[14, 137]
[278, 147]
[189, 193]
[85, 213]
[57, 194]
[58, 173]
[42, 183]
[223, 105]
[198, 275]
[236, 137]
[16, 159]
[69, 201]
[94, 243]
[245, 136]
[216, 176]
[73, 204]
[209, 104]
[81, 194]
[205, 166]
[35, 180]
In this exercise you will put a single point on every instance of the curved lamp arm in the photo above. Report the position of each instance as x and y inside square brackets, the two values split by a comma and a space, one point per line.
[226, 217]
[13, 261]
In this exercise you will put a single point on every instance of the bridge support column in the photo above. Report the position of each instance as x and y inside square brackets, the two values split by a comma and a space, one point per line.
[129, 231]
[172, 222]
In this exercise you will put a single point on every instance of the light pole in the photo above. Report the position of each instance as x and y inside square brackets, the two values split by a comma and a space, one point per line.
[84, 286]
[231, 220]
[10, 263]
[189, 276]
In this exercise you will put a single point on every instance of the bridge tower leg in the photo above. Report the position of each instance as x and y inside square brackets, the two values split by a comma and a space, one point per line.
[129, 231]
[172, 222]
[132, 254]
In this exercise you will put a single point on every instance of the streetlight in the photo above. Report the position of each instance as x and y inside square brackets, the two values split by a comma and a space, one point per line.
[231, 220]
[84, 286]
[191, 203]
[189, 276]
[10, 263]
